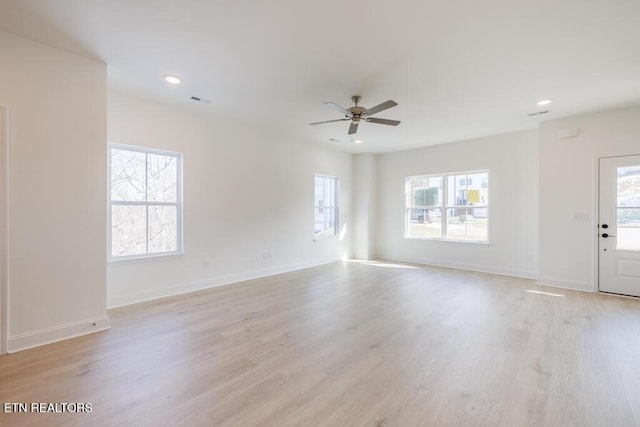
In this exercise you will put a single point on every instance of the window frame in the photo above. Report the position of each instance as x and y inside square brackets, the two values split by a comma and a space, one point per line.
[444, 205]
[178, 203]
[335, 206]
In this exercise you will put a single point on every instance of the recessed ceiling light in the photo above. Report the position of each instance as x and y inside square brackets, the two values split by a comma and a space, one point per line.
[172, 79]
[545, 101]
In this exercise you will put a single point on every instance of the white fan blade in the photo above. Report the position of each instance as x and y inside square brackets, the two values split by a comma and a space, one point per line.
[329, 121]
[339, 108]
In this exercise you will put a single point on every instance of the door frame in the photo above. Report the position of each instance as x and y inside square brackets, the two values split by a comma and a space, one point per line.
[4, 228]
[596, 209]
[596, 224]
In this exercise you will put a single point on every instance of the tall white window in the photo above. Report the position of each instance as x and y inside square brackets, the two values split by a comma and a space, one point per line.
[326, 206]
[448, 206]
[145, 215]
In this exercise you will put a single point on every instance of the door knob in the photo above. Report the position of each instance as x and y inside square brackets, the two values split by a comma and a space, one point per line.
[605, 235]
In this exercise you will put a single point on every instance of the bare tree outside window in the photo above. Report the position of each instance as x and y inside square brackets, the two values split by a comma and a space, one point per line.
[326, 206]
[146, 206]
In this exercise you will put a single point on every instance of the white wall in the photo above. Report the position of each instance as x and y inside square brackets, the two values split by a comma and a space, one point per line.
[57, 247]
[246, 192]
[568, 191]
[364, 200]
[512, 161]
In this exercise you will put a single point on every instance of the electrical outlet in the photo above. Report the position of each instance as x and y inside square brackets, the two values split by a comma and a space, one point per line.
[206, 264]
[580, 216]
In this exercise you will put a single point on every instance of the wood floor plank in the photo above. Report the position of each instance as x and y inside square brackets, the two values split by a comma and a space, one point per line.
[347, 344]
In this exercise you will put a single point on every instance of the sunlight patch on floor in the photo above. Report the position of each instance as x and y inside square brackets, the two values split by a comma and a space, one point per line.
[543, 293]
[382, 264]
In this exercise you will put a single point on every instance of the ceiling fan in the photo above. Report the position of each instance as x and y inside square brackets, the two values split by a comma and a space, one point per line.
[356, 114]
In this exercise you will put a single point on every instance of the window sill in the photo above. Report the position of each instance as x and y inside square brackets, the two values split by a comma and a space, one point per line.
[472, 242]
[146, 257]
[315, 239]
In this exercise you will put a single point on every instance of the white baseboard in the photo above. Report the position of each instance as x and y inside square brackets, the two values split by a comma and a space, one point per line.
[464, 266]
[542, 281]
[212, 282]
[57, 333]
[565, 284]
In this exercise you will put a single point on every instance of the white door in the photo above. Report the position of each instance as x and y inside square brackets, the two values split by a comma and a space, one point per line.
[619, 225]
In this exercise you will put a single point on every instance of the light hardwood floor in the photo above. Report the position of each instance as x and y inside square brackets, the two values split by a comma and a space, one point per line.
[347, 344]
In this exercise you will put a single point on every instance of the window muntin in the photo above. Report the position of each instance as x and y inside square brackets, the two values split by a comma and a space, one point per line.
[145, 215]
[462, 199]
[326, 206]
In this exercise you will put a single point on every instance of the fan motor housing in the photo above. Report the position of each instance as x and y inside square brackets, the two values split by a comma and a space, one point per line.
[357, 110]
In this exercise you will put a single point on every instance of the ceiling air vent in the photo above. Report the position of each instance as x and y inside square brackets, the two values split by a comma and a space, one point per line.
[538, 113]
[198, 99]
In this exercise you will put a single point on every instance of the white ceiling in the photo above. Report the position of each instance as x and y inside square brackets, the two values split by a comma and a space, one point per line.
[458, 69]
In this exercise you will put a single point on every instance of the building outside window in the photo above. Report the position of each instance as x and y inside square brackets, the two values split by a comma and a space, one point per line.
[448, 206]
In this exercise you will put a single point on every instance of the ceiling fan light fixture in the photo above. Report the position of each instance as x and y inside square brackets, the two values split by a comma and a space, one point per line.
[172, 79]
[357, 114]
[545, 101]
[358, 141]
